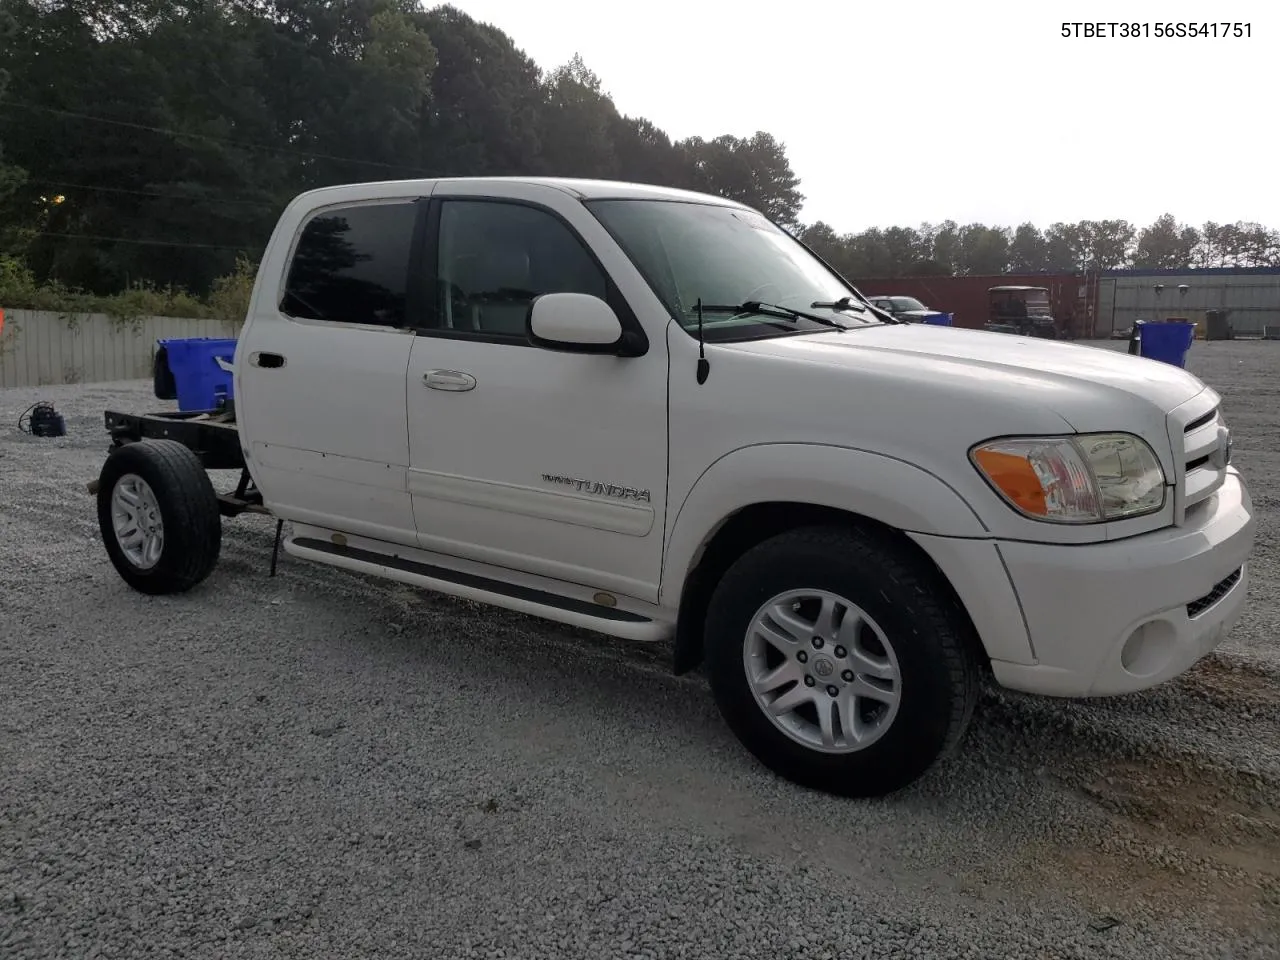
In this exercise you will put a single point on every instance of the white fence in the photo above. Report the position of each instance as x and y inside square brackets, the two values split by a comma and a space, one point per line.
[38, 349]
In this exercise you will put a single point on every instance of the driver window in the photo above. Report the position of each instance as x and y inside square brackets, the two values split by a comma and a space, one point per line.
[496, 257]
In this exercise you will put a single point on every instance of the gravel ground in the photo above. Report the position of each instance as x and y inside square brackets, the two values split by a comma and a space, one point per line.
[321, 765]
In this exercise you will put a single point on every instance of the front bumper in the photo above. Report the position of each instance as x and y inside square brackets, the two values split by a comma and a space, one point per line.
[1116, 617]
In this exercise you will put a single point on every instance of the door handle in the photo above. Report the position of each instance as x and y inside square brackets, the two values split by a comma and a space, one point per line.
[269, 360]
[452, 380]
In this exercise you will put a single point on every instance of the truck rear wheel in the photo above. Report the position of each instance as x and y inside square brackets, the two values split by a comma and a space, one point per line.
[159, 517]
[840, 660]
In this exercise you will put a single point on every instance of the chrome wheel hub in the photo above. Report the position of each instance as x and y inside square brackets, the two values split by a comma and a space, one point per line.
[136, 521]
[822, 671]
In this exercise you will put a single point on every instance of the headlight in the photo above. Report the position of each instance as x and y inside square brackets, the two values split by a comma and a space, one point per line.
[1086, 478]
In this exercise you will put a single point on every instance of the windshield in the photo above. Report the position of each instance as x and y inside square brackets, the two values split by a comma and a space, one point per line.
[907, 303]
[1017, 304]
[725, 256]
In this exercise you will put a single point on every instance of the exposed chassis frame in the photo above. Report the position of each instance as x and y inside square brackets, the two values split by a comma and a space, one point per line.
[211, 435]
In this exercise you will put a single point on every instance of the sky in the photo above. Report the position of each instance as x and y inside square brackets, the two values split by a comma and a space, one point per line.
[898, 113]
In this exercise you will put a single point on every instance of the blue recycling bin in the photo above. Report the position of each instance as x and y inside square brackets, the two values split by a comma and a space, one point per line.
[940, 319]
[1168, 341]
[200, 383]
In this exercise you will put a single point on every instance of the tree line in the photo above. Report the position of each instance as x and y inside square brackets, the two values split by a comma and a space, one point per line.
[155, 142]
[949, 249]
[158, 140]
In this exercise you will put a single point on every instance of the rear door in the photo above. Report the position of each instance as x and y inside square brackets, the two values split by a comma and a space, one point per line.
[321, 373]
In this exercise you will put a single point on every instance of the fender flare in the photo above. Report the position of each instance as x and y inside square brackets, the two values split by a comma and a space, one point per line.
[886, 489]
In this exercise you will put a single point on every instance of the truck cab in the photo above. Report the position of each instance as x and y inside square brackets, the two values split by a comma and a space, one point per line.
[656, 415]
[1022, 310]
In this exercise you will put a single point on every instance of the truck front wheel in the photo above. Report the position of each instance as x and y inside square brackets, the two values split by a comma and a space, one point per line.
[159, 517]
[840, 660]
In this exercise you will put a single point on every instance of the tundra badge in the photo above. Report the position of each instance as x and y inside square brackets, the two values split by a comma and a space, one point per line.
[597, 489]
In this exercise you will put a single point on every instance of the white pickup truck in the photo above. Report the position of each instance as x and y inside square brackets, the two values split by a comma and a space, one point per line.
[656, 415]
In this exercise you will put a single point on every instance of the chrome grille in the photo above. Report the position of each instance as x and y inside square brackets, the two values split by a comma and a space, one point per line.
[1204, 458]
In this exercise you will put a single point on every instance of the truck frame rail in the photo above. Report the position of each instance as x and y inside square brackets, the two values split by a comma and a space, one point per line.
[212, 435]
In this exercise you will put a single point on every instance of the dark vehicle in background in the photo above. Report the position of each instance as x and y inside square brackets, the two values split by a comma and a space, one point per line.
[904, 308]
[1021, 310]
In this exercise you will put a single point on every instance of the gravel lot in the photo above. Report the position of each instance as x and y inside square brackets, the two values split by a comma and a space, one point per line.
[322, 765]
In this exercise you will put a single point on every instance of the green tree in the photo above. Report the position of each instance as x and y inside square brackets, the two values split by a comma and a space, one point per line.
[947, 246]
[754, 171]
[1159, 245]
[11, 177]
[1108, 244]
[983, 250]
[1260, 246]
[156, 141]
[163, 137]
[1066, 247]
[486, 101]
[903, 247]
[1028, 250]
[1243, 244]
[578, 124]
[869, 255]
[829, 245]
[645, 154]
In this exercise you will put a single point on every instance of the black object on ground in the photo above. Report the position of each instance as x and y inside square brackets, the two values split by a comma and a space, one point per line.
[42, 420]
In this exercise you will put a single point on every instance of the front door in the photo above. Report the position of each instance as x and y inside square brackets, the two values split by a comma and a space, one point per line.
[545, 462]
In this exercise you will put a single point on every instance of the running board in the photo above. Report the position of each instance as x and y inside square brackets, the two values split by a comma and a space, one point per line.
[470, 586]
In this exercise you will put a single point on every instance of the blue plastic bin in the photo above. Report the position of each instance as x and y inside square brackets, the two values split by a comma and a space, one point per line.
[940, 319]
[200, 382]
[1167, 341]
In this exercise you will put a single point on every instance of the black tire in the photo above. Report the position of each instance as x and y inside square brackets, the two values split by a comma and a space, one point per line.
[929, 632]
[188, 507]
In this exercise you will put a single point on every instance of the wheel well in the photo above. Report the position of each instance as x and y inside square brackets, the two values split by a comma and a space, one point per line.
[757, 523]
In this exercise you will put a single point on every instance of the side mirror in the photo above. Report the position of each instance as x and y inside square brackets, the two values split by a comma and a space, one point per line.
[574, 322]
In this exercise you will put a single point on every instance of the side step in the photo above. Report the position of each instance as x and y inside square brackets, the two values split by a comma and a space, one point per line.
[470, 586]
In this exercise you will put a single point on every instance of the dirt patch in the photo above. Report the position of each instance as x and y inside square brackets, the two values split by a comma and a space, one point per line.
[1200, 810]
[1140, 874]
[1234, 684]
[1170, 843]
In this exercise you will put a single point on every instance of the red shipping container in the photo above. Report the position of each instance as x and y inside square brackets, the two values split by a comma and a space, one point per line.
[1073, 296]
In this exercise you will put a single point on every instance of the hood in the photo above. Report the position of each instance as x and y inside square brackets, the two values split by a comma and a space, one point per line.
[1089, 387]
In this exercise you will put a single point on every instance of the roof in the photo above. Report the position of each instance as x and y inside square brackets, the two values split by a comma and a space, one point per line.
[614, 189]
[1194, 272]
[581, 188]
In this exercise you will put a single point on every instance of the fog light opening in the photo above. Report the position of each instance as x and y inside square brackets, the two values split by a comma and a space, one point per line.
[1149, 648]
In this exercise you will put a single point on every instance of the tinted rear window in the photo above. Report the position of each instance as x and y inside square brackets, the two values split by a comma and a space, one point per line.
[352, 265]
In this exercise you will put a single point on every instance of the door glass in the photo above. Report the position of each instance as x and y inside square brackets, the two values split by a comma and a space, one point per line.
[352, 265]
[495, 258]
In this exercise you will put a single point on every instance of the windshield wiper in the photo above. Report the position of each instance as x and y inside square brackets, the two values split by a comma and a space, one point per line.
[844, 303]
[860, 305]
[771, 310]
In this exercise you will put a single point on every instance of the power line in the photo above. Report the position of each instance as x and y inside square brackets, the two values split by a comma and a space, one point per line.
[71, 114]
[151, 243]
[150, 193]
